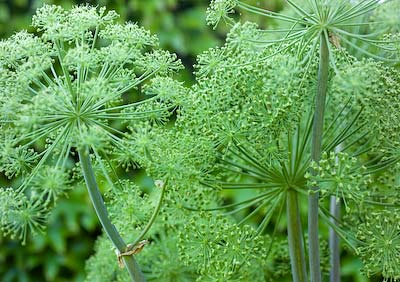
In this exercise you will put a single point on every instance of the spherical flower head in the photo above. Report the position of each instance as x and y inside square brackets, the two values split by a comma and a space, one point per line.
[130, 34]
[15, 160]
[360, 80]
[50, 183]
[129, 206]
[220, 10]
[20, 214]
[22, 58]
[166, 89]
[209, 61]
[308, 23]
[221, 250]
[77, 93]
[75, 86]
[380, 244]
[233, 94]
[161, 260]
[239, 35]
[59, 24]
[340, 175]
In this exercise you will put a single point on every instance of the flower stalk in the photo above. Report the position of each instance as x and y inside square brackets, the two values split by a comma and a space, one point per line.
[295, 234]
[156, 211]
[334, 246]
[101, 211]
[334, 243]
[318, 124]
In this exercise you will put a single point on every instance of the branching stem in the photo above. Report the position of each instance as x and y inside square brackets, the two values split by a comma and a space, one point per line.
[101, 211]
[318, 124]
[295, 235]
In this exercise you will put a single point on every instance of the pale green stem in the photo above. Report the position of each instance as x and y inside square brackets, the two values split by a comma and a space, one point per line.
[295, 234]
[318, 124]
[153, 217]
[101, 211]
[334, 244]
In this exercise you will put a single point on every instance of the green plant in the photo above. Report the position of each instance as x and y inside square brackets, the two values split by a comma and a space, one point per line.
[277, 116]
[239, 75]
[62, 95]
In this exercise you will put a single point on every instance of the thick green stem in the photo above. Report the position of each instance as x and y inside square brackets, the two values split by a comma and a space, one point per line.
[295, 235]
[318, 125]
[102, 214]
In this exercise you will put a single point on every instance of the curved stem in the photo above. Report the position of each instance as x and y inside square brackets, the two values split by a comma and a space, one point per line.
[318, 123]
[101, 211]
[153, 216]
[295, 235]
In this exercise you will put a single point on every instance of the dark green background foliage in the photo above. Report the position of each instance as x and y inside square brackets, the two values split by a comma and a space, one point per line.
[60, 254]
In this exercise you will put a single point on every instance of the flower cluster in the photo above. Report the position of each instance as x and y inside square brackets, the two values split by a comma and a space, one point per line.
[220, 10]
[75, 87]
[380, 244]
[20, 214]
[221, 251]
[340, 175]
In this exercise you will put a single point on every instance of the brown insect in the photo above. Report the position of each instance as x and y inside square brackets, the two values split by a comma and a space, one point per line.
[335, 40]
[131, 250]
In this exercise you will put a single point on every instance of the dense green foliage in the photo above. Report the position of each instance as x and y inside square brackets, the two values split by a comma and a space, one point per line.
[228, 159]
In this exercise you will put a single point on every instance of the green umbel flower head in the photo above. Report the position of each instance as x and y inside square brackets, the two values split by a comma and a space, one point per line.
[341, 176]
[74, 86]
[220, 250]
[380, 244]
[305, 22]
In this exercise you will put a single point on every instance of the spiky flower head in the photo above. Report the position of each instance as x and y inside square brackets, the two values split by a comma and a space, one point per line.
[337, 174]
[312, 21]
[78, 92]
[220, 250]
[380, 244]
[220, 10]
[50, 183]
[75, 86]
[20, 214]
[129, 207]
[162, 261]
